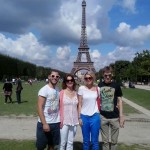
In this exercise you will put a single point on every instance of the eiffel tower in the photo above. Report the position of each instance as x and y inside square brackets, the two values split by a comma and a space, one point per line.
[83, 49]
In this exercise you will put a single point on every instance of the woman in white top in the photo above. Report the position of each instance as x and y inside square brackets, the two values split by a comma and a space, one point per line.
[68, 112]
[89, 117]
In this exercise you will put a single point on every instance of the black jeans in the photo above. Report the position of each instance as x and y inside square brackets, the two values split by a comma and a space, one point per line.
[18, 95]
[8, 97]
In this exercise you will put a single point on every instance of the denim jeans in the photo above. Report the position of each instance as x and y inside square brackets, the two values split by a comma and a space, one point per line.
[90, 131]
[18, 95]
[51, 138]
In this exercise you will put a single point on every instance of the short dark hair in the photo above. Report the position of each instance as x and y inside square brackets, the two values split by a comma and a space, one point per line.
[64, 86]
[107, 69]
[53, 70]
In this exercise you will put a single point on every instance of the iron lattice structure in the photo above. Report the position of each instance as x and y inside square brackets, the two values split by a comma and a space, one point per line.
[83, 49]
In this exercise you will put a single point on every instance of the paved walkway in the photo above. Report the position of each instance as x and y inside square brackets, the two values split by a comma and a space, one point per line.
[138, 107]
[138, 86]
[136, 130]
[145, 87]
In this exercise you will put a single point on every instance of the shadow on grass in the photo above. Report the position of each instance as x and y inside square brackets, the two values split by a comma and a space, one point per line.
[20, 102]
[79, 145]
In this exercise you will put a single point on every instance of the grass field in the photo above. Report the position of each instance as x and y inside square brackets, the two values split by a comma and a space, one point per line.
[139, 96]
[30, 145]
[29, 100]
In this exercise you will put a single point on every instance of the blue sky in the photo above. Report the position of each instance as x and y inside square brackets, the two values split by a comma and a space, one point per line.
[47, 33]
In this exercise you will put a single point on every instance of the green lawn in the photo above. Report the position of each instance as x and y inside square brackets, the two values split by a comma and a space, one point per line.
[139, 96]
[30, 145]
[29, 100]
[129, 110]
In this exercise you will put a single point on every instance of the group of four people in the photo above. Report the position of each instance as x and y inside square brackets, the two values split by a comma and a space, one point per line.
[61, 112]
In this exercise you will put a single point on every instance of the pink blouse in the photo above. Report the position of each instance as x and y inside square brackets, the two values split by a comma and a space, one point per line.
[70, 114]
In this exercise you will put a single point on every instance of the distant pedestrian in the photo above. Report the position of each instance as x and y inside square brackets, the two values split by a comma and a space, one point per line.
[8, 91]
[111, 110]
[13, 81]
[30, 81]
[48, 125]
[19, 88]
[131, 85]
[46, 81]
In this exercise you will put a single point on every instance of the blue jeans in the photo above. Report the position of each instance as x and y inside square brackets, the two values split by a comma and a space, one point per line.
[90, 130]
[44, 139]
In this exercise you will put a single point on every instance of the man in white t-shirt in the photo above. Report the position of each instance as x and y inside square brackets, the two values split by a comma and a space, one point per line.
[48, 126]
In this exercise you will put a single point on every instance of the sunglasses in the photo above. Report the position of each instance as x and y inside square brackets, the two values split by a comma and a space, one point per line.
[71, 80]
[53, 76]
[107, 75]
[88, 78]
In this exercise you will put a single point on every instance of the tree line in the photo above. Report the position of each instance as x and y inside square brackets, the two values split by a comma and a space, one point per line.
[12, 67]
[136, 71]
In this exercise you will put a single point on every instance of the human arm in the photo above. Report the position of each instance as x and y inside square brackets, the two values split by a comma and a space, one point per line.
[121, 116]
[4, 86]
[40, 104]
[61, 108]
[79, 109]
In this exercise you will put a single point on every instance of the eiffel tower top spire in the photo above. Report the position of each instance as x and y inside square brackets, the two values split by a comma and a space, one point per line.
[83, 40]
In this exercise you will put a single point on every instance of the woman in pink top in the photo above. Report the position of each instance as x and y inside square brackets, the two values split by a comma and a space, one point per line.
[68, 112]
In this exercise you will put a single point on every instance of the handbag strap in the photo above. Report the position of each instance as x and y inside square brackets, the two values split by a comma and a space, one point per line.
[97, 91]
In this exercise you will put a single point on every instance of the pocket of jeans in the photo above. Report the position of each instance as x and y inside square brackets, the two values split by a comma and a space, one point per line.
[39, 125]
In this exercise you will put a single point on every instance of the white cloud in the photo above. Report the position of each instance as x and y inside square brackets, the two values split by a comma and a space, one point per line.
[63, 53]
[121, 53]
[94, 33]
[26, 47]
[95, 54]
[130, 5]
[132, 37]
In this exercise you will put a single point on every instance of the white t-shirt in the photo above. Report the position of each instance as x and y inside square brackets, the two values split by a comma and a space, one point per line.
[51, 107]
[89, 103]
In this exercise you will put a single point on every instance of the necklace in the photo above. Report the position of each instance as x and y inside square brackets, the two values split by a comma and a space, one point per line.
[70, 92]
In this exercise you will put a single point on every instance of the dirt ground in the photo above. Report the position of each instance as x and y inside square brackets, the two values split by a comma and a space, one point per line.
[136, 130]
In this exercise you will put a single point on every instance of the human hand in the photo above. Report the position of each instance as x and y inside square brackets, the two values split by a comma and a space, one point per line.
[121, 121]
[46, 127]
[61, 125]
[80, 122]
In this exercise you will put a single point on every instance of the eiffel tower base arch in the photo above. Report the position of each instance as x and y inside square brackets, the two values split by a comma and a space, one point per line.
[82, 66]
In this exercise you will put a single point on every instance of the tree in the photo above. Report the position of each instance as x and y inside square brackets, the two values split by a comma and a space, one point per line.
[142, 66]
[120, 70]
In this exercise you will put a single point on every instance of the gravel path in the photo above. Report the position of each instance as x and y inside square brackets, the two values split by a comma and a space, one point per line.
[136, 130]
